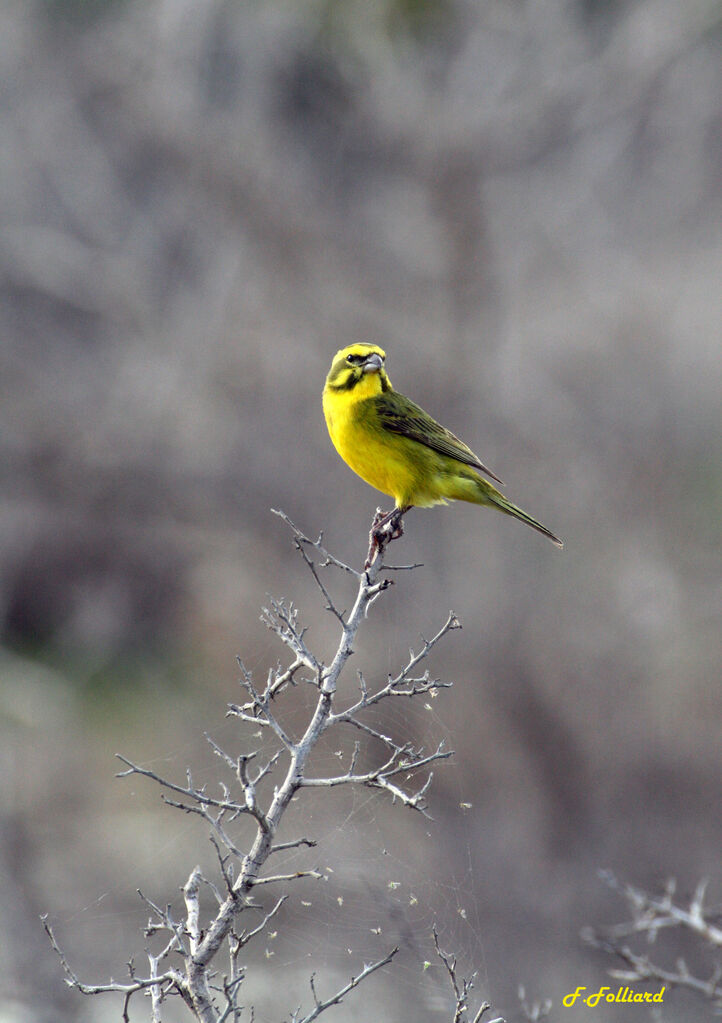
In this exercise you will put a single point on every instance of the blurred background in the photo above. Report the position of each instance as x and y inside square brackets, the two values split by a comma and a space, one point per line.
[200, 203]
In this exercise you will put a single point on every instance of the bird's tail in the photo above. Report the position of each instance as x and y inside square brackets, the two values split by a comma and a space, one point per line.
[503, 504]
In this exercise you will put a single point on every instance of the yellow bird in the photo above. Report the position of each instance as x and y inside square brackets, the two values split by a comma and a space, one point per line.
[390, 442]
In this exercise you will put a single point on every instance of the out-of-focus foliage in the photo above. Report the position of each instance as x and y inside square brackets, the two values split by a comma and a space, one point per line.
[200, 203]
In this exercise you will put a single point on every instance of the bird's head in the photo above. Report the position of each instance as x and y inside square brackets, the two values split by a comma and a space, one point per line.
[360, 365]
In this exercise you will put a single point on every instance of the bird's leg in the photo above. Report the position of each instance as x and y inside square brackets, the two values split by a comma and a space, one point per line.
[380, 518]
[384, 528]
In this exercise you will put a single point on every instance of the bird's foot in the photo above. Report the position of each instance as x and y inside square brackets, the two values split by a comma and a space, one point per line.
[386, 526]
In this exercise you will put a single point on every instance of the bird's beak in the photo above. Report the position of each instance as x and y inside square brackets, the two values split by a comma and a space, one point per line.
[373, 364]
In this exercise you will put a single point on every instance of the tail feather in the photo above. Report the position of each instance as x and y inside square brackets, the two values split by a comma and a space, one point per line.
[501, 502]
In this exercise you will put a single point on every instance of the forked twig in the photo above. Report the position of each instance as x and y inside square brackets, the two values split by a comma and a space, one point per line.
[461, 988]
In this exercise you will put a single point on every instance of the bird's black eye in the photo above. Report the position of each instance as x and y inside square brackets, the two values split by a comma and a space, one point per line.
[355, 360]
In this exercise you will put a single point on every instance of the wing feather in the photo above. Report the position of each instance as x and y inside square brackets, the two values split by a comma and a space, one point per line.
[400, 415]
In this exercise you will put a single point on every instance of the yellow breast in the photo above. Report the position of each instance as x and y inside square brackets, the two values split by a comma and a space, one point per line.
[378, 457]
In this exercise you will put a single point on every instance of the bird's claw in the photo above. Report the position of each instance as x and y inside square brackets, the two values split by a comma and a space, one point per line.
[386, 526]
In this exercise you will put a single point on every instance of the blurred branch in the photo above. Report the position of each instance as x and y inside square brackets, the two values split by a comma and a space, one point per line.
[650, 915]
[534, 1012]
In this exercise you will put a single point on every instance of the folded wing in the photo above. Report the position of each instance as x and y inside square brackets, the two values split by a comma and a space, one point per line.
[400, 415]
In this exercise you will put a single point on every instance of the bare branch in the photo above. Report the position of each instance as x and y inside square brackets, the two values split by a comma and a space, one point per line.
[301, 538]
[278, 679]
[294, 844]
[461, 988]
[261, 704]
[276, 682]
[402, 684]
[169, 978]
[288, 877]
[282, 618]
[403, 759]
[363, 727]
[330, 606]
[412, 761]
[223, 865]
[649, 915]
[230, 990]
[642, 968]
[534, 1012]
[323, 1004]
[198, 795]
[225, 757]
[214, 822]
[190, 893]
[654, 913]
[198, 940]
[246, 936]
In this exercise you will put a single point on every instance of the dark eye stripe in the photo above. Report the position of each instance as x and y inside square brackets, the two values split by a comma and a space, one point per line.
[343, 377]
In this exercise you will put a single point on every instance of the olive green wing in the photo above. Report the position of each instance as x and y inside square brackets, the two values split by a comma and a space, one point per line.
[402, 416]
